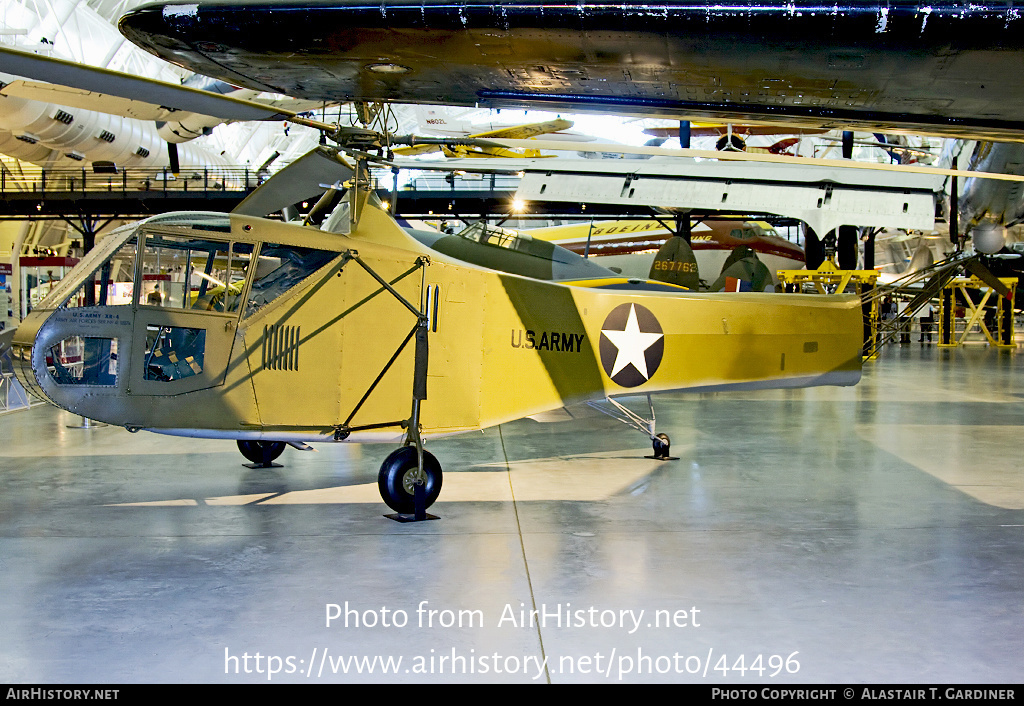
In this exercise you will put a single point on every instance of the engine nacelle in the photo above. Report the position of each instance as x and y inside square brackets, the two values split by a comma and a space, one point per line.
[988, 238]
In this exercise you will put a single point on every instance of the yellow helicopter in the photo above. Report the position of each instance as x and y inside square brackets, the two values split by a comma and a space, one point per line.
[336, 328]
[354, 329]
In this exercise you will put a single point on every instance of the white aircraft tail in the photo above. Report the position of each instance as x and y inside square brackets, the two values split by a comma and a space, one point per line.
[438, 120]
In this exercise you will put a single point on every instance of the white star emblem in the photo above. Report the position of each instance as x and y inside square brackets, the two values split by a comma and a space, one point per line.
[631, 343]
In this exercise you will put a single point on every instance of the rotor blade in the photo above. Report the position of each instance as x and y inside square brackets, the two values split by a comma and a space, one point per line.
[115, 83]
[559, 146]
[526, 131]
[127, 107]
[86, 100]
[469, 141]
[301, 180]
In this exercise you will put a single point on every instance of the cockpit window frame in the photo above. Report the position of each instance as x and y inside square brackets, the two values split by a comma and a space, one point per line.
[178, 224]
[223, 235]
[298, 286]
[212, 226]
[496, 236]
[89, 264]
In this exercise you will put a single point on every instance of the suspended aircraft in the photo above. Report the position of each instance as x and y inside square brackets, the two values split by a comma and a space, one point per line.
[433, 120]
[938, 67]
[515, 132]
[734, 137]
[985, 210]
[443, 121]
[47, 132]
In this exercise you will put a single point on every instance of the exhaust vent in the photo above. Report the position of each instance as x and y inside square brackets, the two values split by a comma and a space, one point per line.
[280, 347]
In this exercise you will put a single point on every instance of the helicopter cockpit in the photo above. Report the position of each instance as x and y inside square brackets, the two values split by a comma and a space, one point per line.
[488, 234]
[152, 310]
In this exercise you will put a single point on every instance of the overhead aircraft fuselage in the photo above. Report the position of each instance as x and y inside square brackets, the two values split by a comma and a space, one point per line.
[938, 67]
[982, 200]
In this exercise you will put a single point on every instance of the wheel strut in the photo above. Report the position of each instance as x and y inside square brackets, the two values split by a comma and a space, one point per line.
[630, 418]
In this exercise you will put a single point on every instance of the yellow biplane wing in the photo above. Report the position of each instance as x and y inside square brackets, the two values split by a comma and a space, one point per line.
[513, 132]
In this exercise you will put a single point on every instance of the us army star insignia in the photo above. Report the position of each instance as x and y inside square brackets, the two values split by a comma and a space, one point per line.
[632, 344]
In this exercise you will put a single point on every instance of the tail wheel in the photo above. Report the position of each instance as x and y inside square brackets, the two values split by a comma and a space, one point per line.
[261, 451]
[399, 475]
[661, 445]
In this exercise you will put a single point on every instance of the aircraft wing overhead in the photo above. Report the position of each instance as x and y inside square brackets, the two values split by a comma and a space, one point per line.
[940, 67]
[823, 195]
[512, 132]
[160, 95]
[525, 132]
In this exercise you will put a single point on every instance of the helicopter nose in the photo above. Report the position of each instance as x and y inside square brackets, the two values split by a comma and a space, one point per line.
[55, 354]
[20, 357]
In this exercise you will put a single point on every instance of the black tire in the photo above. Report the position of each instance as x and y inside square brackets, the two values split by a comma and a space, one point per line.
[253, 450]
[397, 476]
[661, 445]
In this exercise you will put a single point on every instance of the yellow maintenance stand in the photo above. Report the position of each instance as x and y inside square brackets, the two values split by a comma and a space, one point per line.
[951, 335]
[829, 279]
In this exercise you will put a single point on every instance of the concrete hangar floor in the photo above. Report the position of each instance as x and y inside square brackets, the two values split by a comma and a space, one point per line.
[865, 534]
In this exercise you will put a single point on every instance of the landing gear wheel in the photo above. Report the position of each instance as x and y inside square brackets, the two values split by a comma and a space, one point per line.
[261, 453]
[398, 476]
[661, 445]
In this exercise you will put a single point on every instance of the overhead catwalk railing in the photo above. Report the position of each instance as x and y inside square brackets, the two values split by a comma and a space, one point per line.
[111, 191]
[58, 181]
[126, 192]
